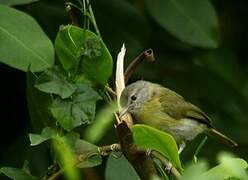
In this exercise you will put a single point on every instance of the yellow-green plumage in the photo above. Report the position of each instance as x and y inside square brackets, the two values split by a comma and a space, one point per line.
[164, 109]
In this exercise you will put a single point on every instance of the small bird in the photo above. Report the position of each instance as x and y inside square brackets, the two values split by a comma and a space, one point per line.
[164, 109]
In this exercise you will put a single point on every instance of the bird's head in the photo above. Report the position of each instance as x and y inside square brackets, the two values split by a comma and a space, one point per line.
[134, 96]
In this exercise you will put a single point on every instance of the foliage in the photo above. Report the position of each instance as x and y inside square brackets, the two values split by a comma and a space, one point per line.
[70, 107]
[156, 140]
[21, 33]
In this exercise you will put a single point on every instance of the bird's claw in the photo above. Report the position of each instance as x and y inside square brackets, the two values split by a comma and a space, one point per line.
[168, 167]
[148, 152]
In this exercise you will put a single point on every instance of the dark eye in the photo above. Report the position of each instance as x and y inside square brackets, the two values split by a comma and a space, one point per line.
[133, 97]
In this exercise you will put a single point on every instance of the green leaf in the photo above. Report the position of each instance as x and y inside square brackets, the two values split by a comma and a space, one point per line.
[46, 134]
[192, 21]
[88, 153]
[16, 2]
[16, 174]
[229, 167]
[81, 52]
[149, 137]
[119, 168]
[193, 171]
[54, 81]
[71, 113]
[23, 44]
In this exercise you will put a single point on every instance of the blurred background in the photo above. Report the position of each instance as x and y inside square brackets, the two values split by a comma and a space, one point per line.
[211, 73]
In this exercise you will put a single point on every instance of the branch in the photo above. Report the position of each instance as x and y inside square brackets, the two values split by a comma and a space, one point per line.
[103, 151]
[142, 163]
[166, 163]
[145, 55]
[69, 10]
[56, 175]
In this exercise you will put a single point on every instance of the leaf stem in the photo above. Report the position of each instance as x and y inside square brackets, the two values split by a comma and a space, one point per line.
[199, 148]
[93, 20]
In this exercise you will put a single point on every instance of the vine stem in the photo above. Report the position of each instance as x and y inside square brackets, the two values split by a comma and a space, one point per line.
[93, 20]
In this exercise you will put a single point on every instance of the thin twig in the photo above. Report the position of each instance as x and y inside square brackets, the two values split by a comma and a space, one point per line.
[103, 151]
[106, 150]
[145, 55]
[111, 91]
[166, 163]
[72, 15]
[56, 175]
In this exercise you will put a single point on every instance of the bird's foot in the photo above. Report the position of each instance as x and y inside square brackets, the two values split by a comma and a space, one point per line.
[168, 167]
[148, 152]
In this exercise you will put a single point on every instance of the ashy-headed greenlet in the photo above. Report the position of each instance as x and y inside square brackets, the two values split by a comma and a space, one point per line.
[164, 109]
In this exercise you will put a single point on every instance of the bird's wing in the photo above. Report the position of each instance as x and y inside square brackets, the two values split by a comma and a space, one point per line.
[175, 106]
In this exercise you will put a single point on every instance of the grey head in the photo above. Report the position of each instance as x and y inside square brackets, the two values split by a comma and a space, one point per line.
[135, 95]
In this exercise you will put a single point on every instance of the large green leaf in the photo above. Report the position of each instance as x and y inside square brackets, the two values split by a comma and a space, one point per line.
[23, 44]
[191, 21]
[118, 168]
[17, 174]
[149, 137]
[71, 113]
[54, 81]
[81, 52]
[16, 2]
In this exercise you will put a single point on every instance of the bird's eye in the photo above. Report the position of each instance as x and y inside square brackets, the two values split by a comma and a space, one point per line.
[133, 97]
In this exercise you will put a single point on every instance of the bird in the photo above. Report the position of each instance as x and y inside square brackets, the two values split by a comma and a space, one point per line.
[159, 107]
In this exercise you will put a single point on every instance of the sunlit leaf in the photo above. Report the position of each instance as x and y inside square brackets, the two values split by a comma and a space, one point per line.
[65, 158]
[229, 167]
[71, 113]
[54, 81]
[102, 123]
[191, 21]
[119, 168]
[23, 43]
[193, 171]
[81, 52]
[149, 137]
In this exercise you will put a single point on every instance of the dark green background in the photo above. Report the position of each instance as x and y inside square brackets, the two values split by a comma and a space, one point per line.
[214, 79]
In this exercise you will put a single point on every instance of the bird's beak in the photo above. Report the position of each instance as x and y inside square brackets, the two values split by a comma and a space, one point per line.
[124, 111]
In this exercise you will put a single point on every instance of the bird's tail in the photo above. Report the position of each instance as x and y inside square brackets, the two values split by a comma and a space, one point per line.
[222, 137]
